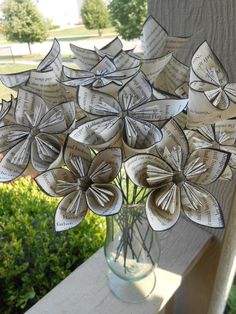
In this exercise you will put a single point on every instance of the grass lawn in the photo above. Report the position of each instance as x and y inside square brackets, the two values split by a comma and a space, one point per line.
[79, 31]
[73, 33]
[5, 93]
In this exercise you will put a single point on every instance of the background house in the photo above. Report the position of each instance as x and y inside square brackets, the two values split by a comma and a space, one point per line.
[62, 13]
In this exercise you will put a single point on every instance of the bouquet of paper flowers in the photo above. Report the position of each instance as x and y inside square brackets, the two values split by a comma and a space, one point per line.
[82, 130]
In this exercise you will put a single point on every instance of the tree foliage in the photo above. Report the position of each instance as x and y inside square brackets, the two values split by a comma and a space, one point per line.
[22, 22]
[128, 17]
[95, 15]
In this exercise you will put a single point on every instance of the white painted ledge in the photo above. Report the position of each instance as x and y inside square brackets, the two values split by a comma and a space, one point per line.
[85, 291]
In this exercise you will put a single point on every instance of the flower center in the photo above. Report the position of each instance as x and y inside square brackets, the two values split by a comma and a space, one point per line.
[179, 178]
[34, 131]
[124, 113]
[83, 183]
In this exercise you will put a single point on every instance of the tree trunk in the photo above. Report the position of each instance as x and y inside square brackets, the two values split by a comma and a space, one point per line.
[30, 51]
[99, 32]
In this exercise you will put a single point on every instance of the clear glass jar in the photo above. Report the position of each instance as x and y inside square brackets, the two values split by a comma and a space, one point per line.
[132, 252]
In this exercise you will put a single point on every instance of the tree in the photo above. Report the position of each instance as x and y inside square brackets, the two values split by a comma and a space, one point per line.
[22, 22]
[95, 15]
[128, 17]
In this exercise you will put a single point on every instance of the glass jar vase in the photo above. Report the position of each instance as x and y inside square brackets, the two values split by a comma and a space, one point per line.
[132, 252]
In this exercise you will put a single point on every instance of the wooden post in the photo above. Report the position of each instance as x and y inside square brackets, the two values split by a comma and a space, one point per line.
[214, 21]
[227, 265]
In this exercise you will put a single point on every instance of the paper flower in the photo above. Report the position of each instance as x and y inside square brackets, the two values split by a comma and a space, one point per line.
[44, 81]
[102, 74]
[175, 180]
[86, 59]
[85, 185]
[129, 118]
[222, 136]
[34, 136]
[210, 77]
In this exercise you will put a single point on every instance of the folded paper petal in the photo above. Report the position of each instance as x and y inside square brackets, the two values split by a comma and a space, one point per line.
[106, 165]
[104, 199]
[159, 218]
[225, 132]
[158, 110]
[201, 207]
[77, 157]
[148, 170]
[207, 66]
[10, 135]
[141, 134]
[14, 80]
[52, 60]
[15, 162]
[85, 58]
[45, 150]
[57, 182]
[153, 67]
[30, 108]
[138, 88]
[99, 133]
[124, 61]
[205, 165]
[58, 119]
[173, 139]
[111, 49]
[71, 211]
[97, 103]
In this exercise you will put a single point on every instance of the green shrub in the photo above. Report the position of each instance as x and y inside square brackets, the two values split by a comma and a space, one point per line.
[232, 300]
[33, 257]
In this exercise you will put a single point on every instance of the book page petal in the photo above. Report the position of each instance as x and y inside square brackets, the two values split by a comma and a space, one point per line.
[158, 218]
[71, 211]
[104, 199]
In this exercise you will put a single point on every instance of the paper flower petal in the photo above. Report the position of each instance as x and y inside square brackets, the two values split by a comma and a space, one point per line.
[71, 211]
[153, 67]
[201, 207]
[14, 80]
[158, 218]
[139, 89]
[173, 138]
[111, 49]
[99, 133]
[207, 66]
[45, 150]
[10, 135]
[57, 182]
[225, 132]
[197, 140]
[230, 90]
[174, 78]
[104, 199]
[147, 170]
[124, 61]
[58, 119]
[205, 165]
[141, 134]
[158, 110]
[52, 60]
[98, 103]
[105, 166]
[30, 108]
[85, 58]
[77, 157]
[15, 162]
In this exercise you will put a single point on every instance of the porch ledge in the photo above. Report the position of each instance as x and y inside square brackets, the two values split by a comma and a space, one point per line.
[85, 291]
